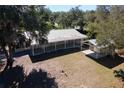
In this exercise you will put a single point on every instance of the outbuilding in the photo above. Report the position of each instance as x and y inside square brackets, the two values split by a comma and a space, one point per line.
[97, 50]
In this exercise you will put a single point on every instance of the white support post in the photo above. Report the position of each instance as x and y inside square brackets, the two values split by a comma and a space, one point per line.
[55, 46]
[81, 45]
[33, 50]
[65, 44]
[73, 43]
[96, 55]
[44, 48]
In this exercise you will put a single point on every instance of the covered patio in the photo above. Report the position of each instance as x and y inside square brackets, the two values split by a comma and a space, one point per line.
[60, 39]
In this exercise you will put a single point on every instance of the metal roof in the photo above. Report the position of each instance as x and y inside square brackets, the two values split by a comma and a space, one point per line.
[64, 34]
[93, 41]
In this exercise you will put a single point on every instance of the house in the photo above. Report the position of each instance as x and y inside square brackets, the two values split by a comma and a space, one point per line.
[60, 39]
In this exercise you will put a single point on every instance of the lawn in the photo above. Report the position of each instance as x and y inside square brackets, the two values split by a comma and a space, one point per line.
[78, 70]
[68, 70]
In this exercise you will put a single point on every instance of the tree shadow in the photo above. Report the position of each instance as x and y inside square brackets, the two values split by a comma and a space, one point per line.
[37, 79]
[109, 61]
[119, 74]
[16, 78]
[54, 54]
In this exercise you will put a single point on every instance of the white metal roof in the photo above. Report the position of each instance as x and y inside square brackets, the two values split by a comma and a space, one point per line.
[64, 34]
[93, 41]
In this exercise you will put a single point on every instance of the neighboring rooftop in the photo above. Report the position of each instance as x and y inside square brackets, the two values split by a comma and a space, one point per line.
[64, 34]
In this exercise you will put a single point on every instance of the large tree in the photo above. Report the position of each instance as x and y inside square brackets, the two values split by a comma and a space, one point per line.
[111, 27]
[9, 23]
[16, 19]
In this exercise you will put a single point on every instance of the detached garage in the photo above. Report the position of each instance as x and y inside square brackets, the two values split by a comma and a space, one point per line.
[60, 39]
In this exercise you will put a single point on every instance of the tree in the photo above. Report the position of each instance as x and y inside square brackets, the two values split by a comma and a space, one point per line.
[90, 26]
[69, 19]
[102, 12]
[90, 16]
[111, 28]
[9, 22]
[76, 17]
[16, 19]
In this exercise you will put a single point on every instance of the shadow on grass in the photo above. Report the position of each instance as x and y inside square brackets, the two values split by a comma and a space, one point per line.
[53, 54]
[119, 74]
[15, 78]
[109, 61]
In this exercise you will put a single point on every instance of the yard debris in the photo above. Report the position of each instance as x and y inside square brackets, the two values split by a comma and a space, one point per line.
[64, 73]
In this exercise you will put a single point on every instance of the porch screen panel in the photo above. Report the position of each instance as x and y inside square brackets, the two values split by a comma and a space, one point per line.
[38, 50]
[60, 45]
[78, 43]
[50, 47]
[69, 44]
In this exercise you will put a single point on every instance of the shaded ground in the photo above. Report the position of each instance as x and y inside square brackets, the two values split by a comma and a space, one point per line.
[22, 75]
[109, 61]
[54, 54]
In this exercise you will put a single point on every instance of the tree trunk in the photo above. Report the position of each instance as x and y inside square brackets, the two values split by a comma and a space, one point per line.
[9, 57]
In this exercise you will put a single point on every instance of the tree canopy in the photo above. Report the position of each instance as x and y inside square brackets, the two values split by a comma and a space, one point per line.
[111, 26]
[16, 19]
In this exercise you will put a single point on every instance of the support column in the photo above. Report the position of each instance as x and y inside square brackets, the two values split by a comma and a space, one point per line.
[81, 45]
[65, 44]
[44, 48]
[73, 43]
[33, 50]
[96, 55]
[55, 46]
